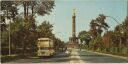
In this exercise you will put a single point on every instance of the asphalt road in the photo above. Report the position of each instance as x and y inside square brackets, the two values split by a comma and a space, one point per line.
[77, 57]
[58, 58]
[90, 57]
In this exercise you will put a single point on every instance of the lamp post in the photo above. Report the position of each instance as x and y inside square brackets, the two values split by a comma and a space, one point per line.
[9, 39]
[9, 34]
[8, 15]
[1, 23]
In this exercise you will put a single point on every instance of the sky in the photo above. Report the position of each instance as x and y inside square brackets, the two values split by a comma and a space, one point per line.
[61, 15]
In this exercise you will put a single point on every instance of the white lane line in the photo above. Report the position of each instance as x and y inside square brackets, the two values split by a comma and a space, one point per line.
[76, 56]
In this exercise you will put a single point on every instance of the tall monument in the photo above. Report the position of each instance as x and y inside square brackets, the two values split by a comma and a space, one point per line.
[74, 24]
[73, 40]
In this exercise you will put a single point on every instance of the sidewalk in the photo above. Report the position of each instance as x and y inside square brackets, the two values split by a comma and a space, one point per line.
[121, 57]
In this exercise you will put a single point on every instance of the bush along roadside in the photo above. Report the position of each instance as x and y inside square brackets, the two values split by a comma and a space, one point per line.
[112, 51]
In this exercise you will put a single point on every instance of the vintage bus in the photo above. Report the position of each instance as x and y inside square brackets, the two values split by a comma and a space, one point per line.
[45, 47]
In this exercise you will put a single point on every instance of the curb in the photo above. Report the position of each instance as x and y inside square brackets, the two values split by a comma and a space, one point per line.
[9, 58]
[121, 57]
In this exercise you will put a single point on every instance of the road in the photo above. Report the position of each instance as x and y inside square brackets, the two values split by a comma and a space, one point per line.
[90, 57]
[58, 58]
[76, 57]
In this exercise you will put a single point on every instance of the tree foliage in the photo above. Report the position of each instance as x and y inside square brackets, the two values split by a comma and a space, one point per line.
[97, 25]
[113, 38]
[84, 36]
[24, 31]
[45, 29]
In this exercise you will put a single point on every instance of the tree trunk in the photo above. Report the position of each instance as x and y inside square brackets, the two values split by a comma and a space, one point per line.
[24, 46]
[24, 3]
[32, 10]
[27, 13]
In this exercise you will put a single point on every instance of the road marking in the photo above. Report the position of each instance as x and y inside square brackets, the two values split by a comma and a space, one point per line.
[75, 55]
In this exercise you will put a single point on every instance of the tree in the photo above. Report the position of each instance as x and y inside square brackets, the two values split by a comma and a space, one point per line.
[125, 32]
[121, 33]
[84, 36]
[45, 30]
[16, 35]
[97, 27]
[9, 10]
[45, 7]
[98, 24]
[58, 44]
[24, 30]
[40, 7]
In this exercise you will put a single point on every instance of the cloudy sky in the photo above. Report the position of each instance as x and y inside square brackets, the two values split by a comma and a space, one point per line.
[87, 10]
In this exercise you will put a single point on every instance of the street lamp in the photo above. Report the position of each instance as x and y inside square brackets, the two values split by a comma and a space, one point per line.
[1, 14]
[7, 14]
[9, 34]
[9, 17]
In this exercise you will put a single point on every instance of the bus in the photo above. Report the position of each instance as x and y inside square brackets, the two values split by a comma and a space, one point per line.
[45, 47]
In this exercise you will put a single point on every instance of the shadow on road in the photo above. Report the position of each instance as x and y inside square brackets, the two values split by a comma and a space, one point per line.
[92, 55]
[33, 58]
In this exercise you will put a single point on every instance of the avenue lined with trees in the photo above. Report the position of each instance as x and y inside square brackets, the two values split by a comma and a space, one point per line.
[20, 33]
[112, 41]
